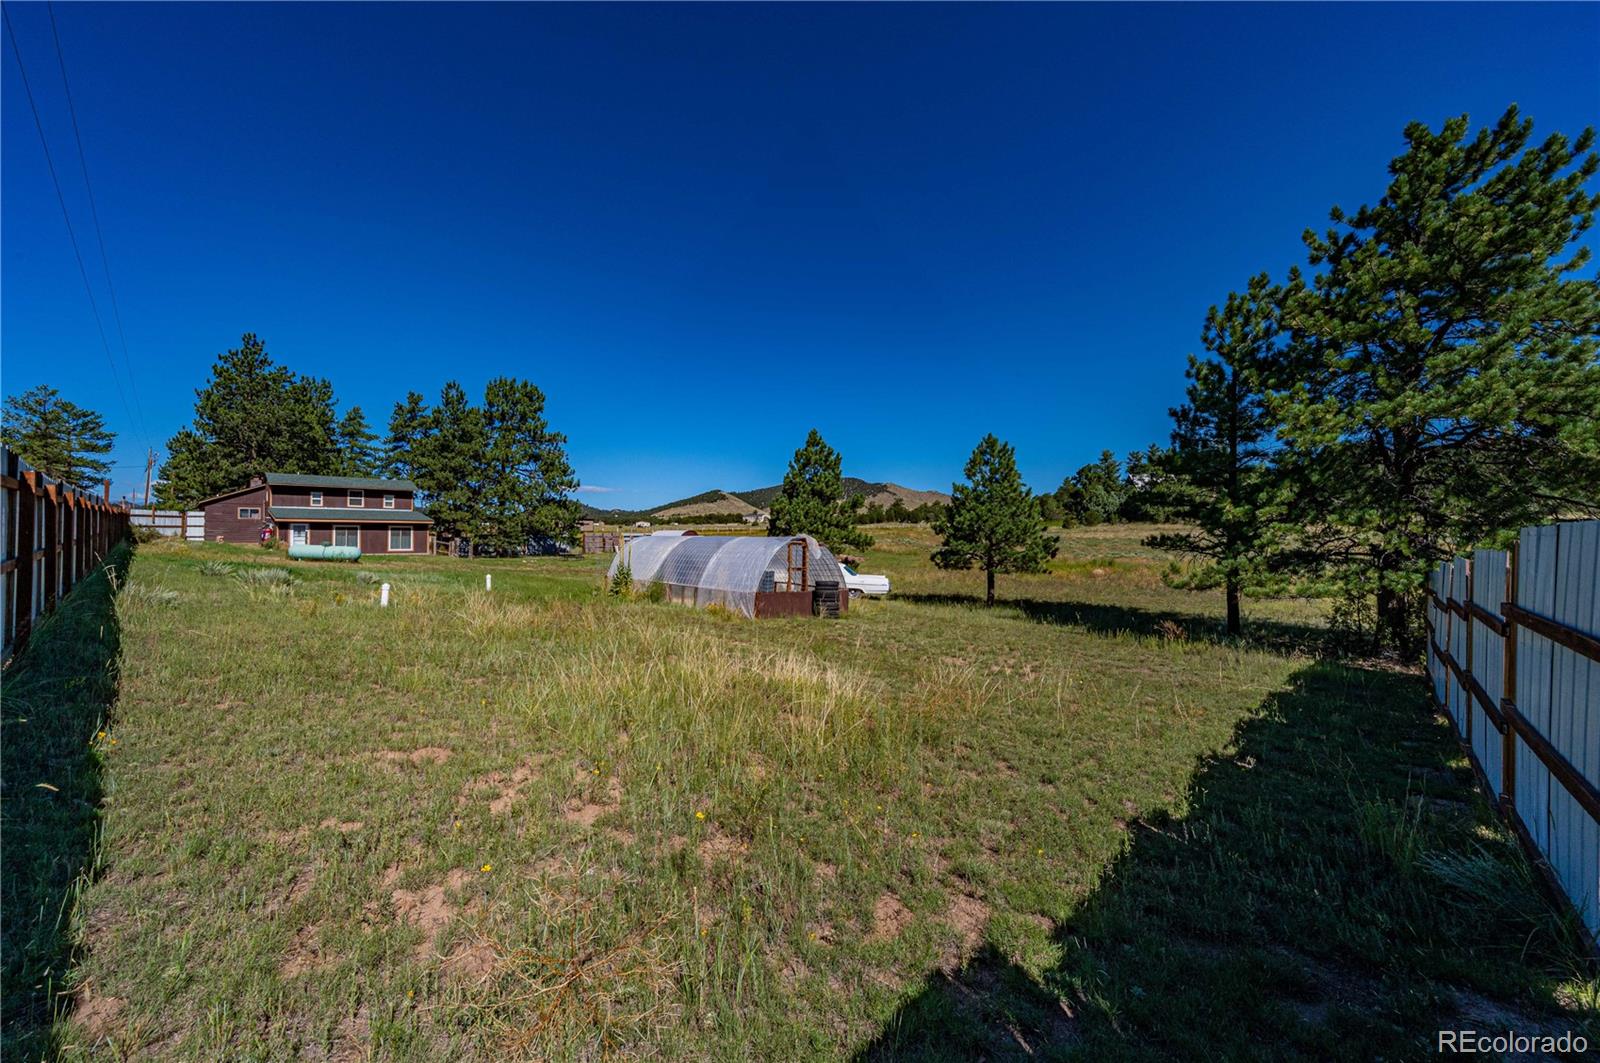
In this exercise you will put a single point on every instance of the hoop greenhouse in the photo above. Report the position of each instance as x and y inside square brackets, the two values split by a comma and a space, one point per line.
[756, 576]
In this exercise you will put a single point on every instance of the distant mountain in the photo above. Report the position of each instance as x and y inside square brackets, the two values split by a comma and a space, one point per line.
[718, 502]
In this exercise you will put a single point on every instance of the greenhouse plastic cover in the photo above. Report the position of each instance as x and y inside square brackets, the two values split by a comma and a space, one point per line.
[722, 569]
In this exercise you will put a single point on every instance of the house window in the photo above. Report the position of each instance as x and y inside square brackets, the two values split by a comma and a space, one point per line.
[399, 539]
[358, 499]
[249, 512]
[316, 498]
[388, 501]
[347, 537]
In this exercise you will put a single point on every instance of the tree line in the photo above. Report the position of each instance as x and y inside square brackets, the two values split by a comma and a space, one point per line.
[1428, 383]
[493, 473]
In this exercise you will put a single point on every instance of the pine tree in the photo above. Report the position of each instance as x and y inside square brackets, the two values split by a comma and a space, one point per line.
[358, 445]
[59, 438]
[409, 424]
[813, 502]
[1095, 493]
[252, 417]
[1445, 382]
[526, 479]
[993, 521]
[447, 463]
[1216, 475]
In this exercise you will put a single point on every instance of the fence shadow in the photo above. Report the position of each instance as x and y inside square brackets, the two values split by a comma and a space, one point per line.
[54, 700]
[1332, 880]
[1278, 635]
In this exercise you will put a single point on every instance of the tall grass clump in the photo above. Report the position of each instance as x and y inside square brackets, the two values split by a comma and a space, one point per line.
[256, 576]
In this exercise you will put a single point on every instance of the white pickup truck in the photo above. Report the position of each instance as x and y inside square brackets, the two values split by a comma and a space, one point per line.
[862, 586]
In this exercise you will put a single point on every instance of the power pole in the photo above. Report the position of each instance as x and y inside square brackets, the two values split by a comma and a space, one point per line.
[149, 463]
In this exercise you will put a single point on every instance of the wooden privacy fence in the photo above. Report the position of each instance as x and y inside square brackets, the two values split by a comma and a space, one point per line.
[1514, 657]
[52, 536]
[189, 525]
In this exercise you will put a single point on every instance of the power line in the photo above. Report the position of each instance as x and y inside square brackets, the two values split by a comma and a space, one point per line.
[100, 236]
[38, 124]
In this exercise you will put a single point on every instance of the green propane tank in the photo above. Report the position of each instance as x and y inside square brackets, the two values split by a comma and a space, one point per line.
[307, 552]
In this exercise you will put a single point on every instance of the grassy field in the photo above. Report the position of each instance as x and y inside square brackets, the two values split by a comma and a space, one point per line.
[544, 823]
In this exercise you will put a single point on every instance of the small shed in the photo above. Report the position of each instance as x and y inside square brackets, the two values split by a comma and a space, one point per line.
[756, 576]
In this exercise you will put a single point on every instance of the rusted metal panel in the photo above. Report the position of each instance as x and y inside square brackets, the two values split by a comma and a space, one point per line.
[770, 604]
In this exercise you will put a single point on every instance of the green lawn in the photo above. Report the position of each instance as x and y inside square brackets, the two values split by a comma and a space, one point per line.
[544, 823]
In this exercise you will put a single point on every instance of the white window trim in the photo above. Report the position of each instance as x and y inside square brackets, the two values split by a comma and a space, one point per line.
[316, 498]
[356, 499]
[249, 512]
[411, 539]
[388, 501]
[356, 528]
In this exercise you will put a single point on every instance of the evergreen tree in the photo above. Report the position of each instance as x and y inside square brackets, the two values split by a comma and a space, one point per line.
[812, 500]
[59, 438]
[1142, 494]
[526, 479]
[358, 445]
[447, 461]
[409, 424]
[1095, 493]
[993, 520]
[1444, 382]
[1216, 475]
[252, 417]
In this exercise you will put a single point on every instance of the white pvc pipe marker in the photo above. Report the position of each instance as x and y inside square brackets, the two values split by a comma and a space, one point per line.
[488, 581]
[383, 596]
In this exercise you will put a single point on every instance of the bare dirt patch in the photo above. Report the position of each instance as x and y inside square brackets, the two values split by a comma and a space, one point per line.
[297, 889]
[429, 910]
[472, 962]
[719, 846]
[521, 776]
[585, 810]
[304, 952]
[97, 1015]
[889, 917]
[354, 1035]
[416, 757]
[968, 915]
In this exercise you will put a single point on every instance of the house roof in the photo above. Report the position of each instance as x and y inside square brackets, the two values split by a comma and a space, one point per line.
[371, 515]
[360, 483]
[225, 494]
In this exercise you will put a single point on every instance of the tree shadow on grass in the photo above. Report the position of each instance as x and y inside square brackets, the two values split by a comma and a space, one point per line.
[1275, 635]
[53, 701]
[1334, 890]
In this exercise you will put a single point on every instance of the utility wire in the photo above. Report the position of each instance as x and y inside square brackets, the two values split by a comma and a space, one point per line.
[94, 212]
[38, 124]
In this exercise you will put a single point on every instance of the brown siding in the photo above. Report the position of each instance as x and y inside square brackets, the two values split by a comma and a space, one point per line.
[337, 498]
[375, 539]
[222, 517]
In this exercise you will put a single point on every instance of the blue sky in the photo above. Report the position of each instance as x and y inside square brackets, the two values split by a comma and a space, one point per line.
[703, 230]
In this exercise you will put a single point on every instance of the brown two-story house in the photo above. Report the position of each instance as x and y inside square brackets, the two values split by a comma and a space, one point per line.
[379, 516]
